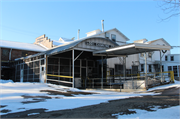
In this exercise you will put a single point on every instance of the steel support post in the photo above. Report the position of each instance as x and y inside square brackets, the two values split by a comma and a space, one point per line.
[146, 81]
[124, 66]
[161, 65]
[102, 72]
[73, 68]
[45, 68]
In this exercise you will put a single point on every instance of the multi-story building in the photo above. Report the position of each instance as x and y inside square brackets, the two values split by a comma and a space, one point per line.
[134, 63]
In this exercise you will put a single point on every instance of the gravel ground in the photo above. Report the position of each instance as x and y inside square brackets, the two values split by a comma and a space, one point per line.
[167, 98]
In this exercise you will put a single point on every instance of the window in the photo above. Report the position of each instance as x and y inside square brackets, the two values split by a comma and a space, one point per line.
[142, 54]
[150, 55]
[24, 53]
[142, 67]
[5, 52]
[113, 37]
[162, 68]
[166, 58]
[107, 35]
[172, 58]
[175, 70]
[118, 69]
[169, 68]
[111, 71]
[150, 68]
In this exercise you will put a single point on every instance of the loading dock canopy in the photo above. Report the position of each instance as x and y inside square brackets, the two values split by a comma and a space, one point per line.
[129, 49]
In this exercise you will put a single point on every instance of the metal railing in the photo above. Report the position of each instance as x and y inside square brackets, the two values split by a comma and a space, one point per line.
[60, 81]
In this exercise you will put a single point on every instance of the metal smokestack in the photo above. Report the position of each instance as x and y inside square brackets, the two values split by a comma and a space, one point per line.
[102, 21]
[78, 33]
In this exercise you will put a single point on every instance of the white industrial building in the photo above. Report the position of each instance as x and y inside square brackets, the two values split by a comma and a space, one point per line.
[103, 59]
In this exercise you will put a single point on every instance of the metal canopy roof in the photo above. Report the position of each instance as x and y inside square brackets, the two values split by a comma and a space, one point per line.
[129, 49]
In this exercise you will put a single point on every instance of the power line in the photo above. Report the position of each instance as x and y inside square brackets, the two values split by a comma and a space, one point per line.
[20, 31]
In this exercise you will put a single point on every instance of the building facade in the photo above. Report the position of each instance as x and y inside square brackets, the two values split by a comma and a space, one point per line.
[12, 50]
[53, 58]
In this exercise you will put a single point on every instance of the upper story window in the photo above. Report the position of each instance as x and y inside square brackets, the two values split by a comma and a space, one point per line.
[142, 54]
[172, 58]
[150, 55]
[113, 37]
[166, 58]
[107, 35]
[24, 53]
[5, 52]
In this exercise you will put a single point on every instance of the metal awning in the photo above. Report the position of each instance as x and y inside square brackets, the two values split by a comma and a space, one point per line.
[129, 49]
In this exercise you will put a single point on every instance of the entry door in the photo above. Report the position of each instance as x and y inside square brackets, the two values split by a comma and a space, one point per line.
[134, 70]
[83, 76]
[42, 73]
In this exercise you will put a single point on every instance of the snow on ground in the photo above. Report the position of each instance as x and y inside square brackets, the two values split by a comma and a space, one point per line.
[176, 84]
[167, 113]
[11, 97]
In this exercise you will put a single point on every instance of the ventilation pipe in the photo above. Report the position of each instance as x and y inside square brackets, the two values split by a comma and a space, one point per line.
[10, 54]
[78, 33]
[102, 21]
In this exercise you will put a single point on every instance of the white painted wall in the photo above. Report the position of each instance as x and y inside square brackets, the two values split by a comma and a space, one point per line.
[118, 36]
[112, 61]
[156, 54]
[132, 60]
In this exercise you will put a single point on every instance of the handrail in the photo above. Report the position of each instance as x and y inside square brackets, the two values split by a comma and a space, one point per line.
[138, 74]
[60, 81]
[59, 76]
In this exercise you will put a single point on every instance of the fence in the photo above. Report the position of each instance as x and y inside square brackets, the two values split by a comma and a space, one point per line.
[131, 81]
[55, 80]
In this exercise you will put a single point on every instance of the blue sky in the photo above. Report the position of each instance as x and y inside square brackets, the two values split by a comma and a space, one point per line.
[24, 20]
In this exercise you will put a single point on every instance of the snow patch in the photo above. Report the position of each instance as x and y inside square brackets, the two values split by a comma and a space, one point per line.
[6, 81]
[168, 113]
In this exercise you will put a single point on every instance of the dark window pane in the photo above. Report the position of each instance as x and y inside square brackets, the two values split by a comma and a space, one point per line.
[52, 60]
[77, 63]
[52, 68]
[84, 63]
[5, 52]
[113, 37]
[90, 63]
[64, 62]
[64, 69]
[42, 62]
[172, 58]
[24, 53]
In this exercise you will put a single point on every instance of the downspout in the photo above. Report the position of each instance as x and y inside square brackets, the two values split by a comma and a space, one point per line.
[10, 54]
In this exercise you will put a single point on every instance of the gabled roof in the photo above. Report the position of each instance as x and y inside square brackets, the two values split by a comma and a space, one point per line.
[21, 46]
[70, 45]
[162, 39]
[64, 47]
[127, 39]
[99, 32]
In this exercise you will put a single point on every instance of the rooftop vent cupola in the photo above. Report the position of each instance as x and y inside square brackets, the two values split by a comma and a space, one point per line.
[93, 32]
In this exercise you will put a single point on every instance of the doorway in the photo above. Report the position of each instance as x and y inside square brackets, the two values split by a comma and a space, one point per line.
[42, 73]
[83, 77]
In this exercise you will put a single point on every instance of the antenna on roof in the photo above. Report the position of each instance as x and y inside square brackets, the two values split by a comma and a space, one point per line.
[78, 33]
[102, 21]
